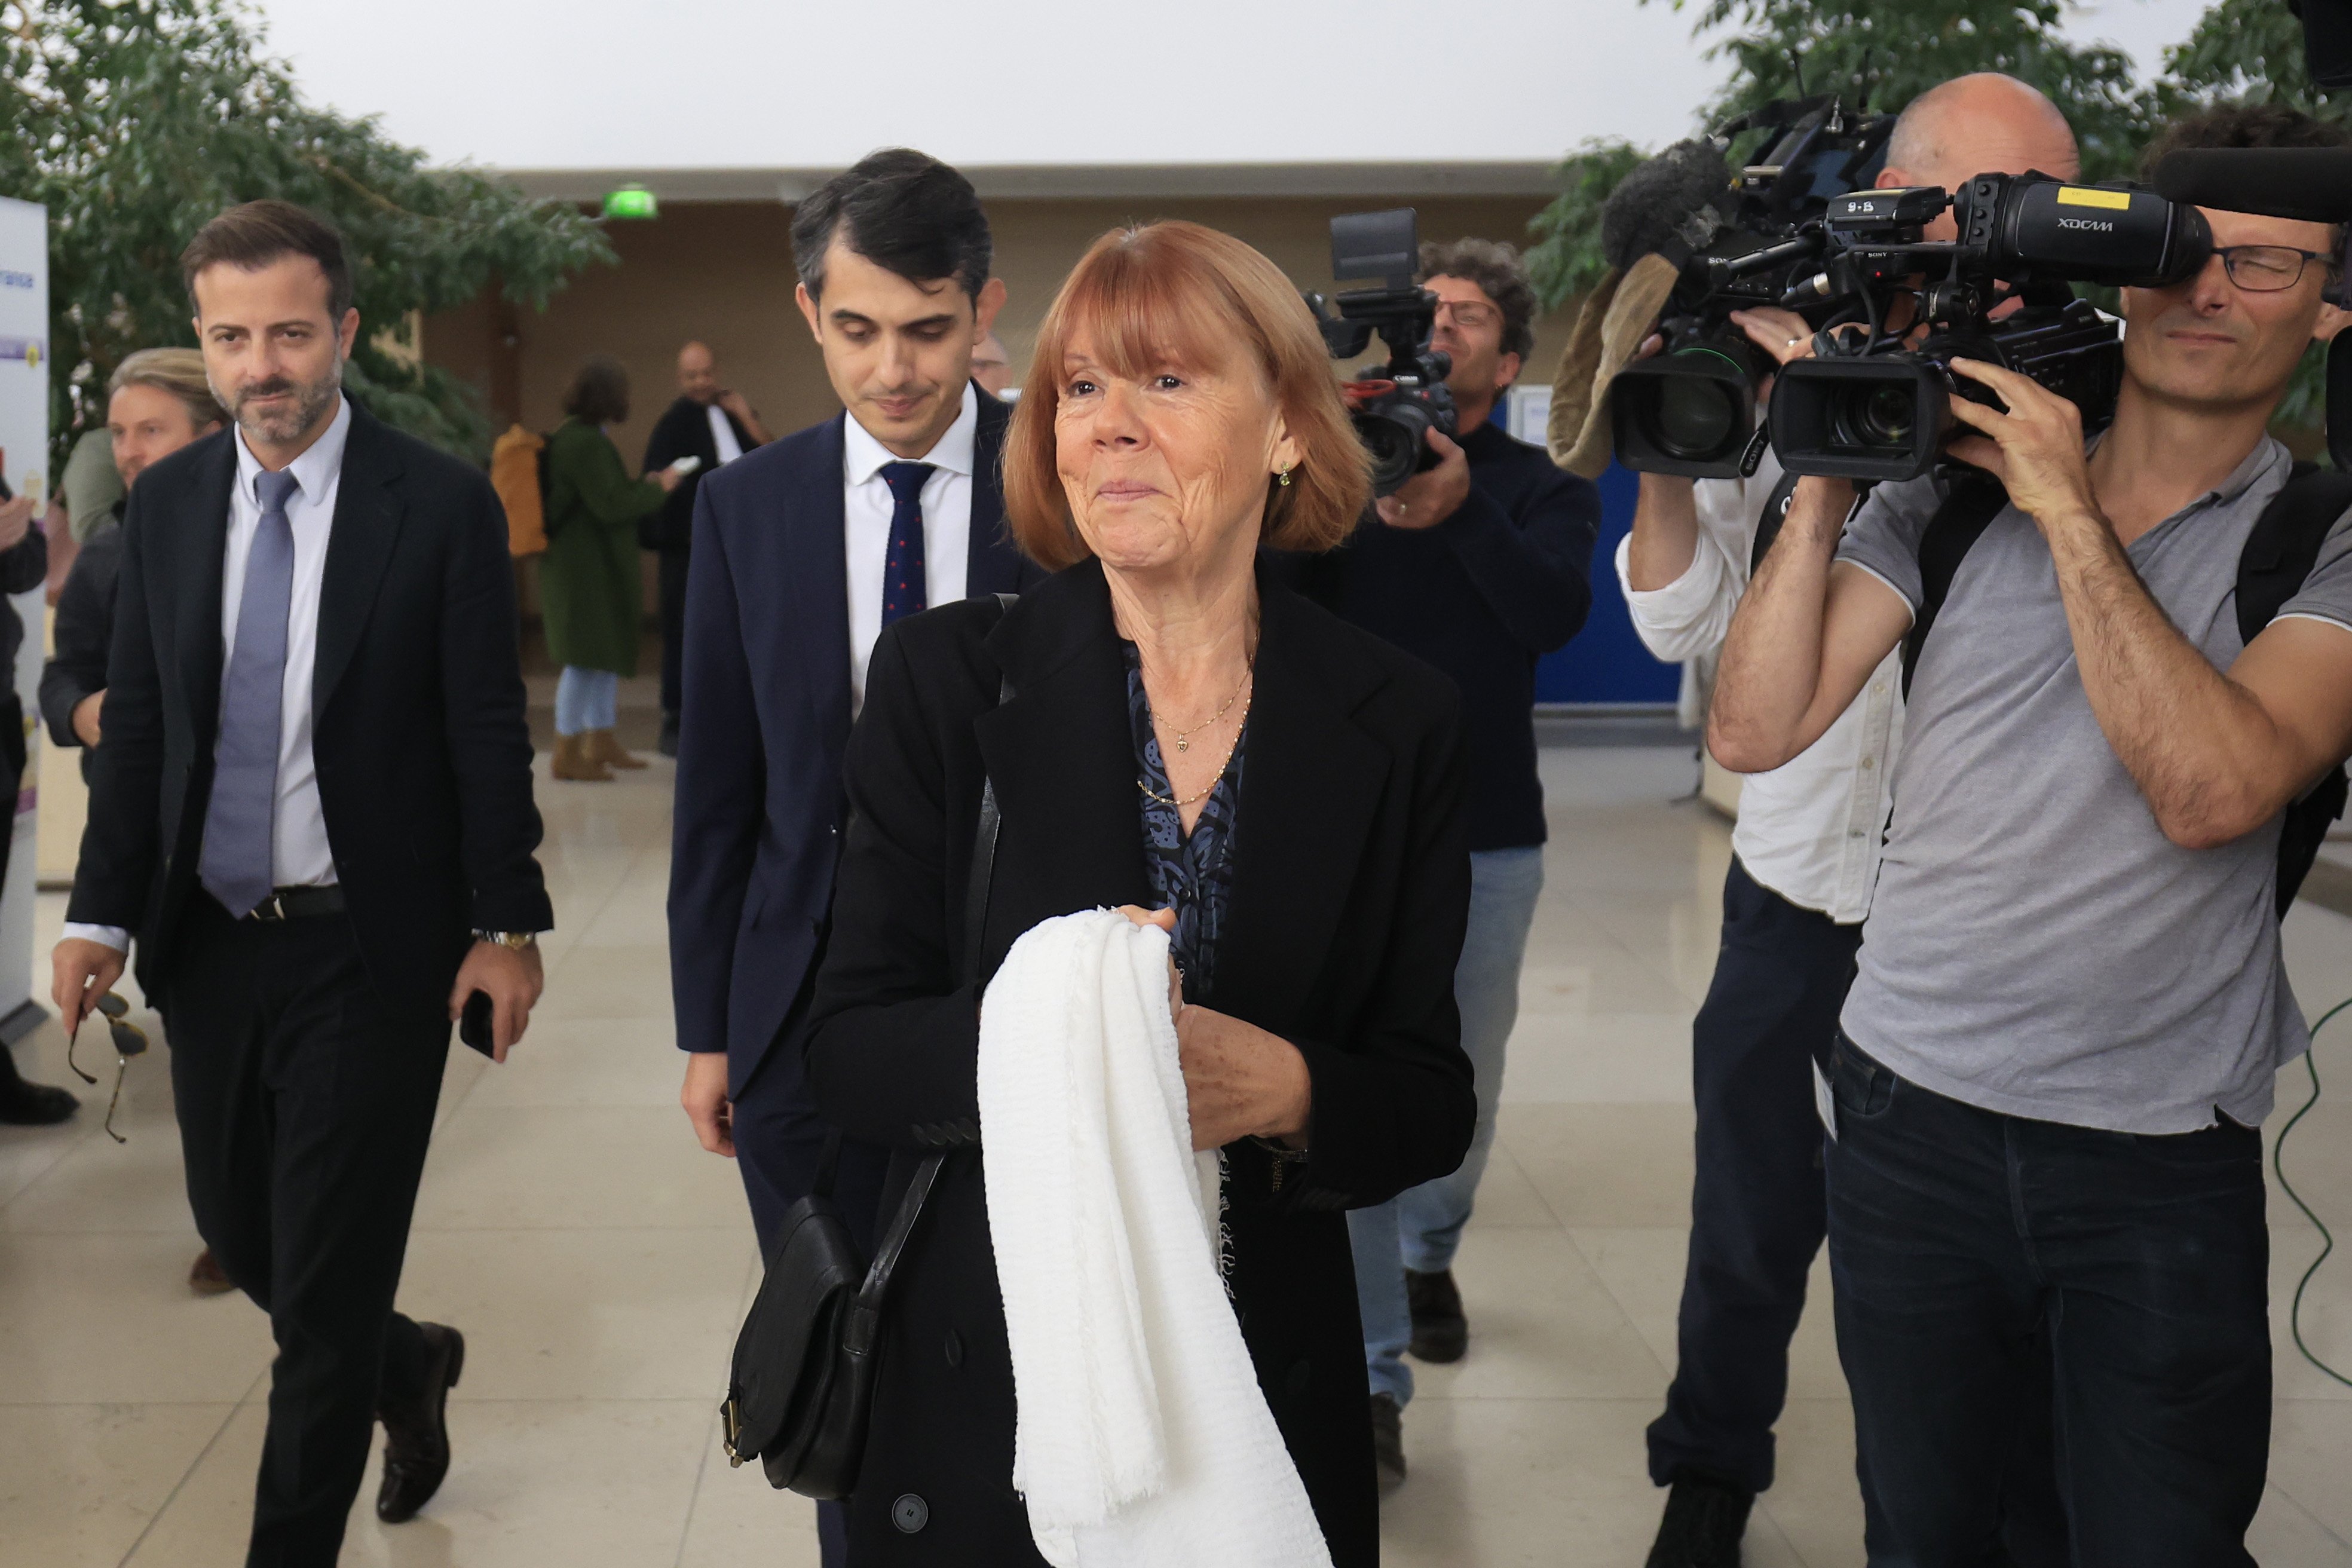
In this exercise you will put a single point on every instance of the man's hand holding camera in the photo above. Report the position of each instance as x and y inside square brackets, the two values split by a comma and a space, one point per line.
[2035, 450]
[1432, 495]
[1783, 335]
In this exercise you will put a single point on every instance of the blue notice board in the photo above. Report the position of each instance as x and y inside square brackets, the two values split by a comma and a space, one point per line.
[1606, 662]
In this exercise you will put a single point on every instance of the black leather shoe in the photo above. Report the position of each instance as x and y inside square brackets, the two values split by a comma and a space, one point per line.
[416, 1432]
[1388, 1440]
[1440, 1332]
[26, 1104]
[1705, 1522]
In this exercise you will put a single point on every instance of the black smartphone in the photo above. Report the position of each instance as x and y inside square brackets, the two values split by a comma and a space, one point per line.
[474, 1025]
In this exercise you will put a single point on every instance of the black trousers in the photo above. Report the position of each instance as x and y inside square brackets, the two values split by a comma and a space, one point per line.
[1756, 1205]
[304, 1111]
[780, 1139]
[672, 585]
[1982, 1260]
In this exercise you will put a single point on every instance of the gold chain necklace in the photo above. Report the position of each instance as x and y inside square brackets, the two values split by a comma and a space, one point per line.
[1184, 737]
[1219, 778]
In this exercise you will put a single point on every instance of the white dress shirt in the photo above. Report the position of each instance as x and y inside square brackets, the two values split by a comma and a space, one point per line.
[1812, 829]
[865, 512]
[299, 853]
[723, 434]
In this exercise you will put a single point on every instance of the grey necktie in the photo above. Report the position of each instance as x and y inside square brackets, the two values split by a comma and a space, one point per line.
[235, 867]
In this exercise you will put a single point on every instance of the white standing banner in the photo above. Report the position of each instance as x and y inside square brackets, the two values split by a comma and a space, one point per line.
[24, 463]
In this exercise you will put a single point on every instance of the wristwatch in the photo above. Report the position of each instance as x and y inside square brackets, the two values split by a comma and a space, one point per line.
[517, 939]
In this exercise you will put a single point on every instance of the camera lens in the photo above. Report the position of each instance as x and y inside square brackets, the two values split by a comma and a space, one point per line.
[1696, 419]
[1395, 446]
[1881, 414]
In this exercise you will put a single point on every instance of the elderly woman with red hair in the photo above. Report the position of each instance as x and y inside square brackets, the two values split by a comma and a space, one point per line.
[1184, 736]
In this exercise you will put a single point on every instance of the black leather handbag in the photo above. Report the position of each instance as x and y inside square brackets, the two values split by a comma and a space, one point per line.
[803, 1381]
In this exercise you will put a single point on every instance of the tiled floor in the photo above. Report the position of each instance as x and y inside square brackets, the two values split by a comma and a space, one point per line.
[598, 1261]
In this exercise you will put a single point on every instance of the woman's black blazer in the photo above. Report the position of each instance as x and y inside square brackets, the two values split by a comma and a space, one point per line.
[1349, 895]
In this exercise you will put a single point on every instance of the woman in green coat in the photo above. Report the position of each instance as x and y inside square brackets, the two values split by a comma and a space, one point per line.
[589, 589]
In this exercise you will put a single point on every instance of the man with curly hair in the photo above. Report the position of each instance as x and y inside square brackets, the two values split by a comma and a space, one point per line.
[1480, 565]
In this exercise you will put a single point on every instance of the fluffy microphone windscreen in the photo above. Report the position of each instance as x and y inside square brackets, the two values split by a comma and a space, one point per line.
[1672, 205]
[2310, 184]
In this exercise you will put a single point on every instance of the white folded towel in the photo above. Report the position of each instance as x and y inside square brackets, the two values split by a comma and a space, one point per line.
[1143, 1439]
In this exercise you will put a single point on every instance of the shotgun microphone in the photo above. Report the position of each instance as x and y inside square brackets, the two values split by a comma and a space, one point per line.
[2313, 184]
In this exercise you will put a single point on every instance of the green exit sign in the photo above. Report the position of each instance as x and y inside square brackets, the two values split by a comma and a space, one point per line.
[631, 201]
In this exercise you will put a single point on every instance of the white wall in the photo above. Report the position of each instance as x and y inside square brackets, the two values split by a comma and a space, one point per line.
[530, 84]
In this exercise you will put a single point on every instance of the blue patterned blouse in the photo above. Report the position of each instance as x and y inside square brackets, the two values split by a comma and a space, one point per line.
[1194, 876]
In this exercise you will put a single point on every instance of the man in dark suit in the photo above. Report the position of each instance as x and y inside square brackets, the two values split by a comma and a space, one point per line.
[802, 551]
[714, 425]
[314, 808]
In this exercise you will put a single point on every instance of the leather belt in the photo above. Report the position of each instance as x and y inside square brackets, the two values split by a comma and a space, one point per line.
[299, 903]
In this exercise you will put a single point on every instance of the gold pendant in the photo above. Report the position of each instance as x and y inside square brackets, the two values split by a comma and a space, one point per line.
[1183, 744]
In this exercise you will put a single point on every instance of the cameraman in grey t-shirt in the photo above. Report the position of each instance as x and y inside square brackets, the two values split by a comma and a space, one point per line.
[2070, 1004]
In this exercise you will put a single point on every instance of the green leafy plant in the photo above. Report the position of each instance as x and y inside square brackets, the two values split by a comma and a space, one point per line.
[2248, 51]
[133, 121]
[1566, 260]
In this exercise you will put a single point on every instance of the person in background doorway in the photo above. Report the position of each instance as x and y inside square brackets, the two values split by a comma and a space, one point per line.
[1480, 565]
[589, 591]
[991, 366]
[157, 402]
[714, 425]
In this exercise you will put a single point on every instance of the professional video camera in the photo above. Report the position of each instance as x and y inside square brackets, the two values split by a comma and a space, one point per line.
[1691, 409]
[1871, 405]
[1396, 408]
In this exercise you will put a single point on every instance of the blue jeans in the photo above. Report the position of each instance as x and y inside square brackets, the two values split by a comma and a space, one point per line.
[1983, 1261]
[1421, 1228]
[586, 699]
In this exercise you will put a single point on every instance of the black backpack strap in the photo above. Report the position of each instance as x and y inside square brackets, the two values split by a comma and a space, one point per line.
[2285, 545]
[1967, 510]
[2279, 554]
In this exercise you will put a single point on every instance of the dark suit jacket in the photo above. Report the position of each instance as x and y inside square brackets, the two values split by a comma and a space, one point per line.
[683, 431]
[758, 814]
[83, 626]
[1349, 896]
[423, 753]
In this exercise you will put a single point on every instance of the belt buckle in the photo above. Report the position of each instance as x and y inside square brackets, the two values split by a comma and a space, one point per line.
[272, 908]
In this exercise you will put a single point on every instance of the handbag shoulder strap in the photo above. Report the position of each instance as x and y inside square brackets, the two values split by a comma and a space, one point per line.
[871, 1295]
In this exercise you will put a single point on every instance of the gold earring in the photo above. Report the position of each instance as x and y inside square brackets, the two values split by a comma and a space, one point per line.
[1282, 477]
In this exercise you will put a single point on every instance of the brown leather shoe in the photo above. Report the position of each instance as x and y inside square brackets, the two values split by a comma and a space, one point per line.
[572, 761]
[208, 1278]
[605, 747]
[416, 1432]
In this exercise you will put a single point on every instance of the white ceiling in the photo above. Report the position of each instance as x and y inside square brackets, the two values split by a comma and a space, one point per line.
[752, 95]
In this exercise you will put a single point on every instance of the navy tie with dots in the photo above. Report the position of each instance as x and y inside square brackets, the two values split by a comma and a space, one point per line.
[904, 587]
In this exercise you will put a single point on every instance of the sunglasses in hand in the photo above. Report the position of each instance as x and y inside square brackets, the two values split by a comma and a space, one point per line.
[130, 1041]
